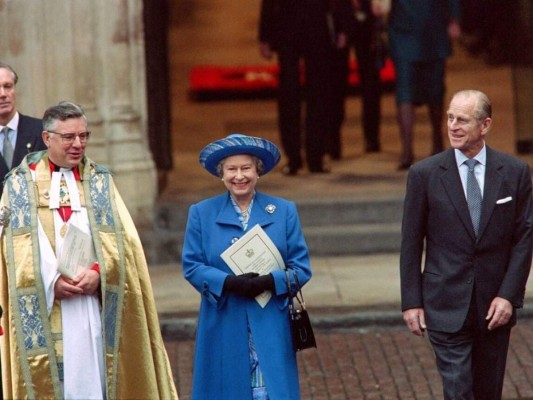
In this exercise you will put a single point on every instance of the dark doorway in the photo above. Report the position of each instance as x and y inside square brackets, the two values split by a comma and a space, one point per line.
[155, 15]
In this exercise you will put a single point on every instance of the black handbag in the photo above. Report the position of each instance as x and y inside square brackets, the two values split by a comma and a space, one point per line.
[303, 336]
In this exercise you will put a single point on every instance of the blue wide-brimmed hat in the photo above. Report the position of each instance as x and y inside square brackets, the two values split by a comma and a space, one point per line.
[237, 143]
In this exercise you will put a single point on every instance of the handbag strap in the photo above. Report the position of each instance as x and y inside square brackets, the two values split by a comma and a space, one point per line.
[299, 296]
[289, 294]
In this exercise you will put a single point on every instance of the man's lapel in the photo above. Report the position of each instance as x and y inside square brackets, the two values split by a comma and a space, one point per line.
[23, 140]
[493, 182]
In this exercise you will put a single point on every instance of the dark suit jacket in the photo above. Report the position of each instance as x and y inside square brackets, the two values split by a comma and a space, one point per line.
[436, 215]
[29, 139]
[288, 24]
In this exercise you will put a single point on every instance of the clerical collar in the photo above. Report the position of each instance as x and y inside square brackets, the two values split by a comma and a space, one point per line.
[57, 192]
[57, 168]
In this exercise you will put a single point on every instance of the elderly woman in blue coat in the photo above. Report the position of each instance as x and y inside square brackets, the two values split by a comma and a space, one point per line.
[243, 351]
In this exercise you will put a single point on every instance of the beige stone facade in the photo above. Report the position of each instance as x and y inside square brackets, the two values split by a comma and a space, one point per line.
[91, 53]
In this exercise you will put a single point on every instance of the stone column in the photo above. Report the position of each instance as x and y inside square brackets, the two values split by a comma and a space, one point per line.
[123, 103]
[92, 53]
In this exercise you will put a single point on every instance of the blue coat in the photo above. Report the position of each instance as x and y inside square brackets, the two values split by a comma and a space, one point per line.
[418, 29]
[222, 362]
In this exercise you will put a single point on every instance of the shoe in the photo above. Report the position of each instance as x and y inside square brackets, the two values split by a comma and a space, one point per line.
[372, 148]
[335, 154]
[321, 169]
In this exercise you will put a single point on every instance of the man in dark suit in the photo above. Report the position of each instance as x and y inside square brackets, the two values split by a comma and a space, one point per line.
[475, 270]
[363, 21]
[24, 132]
[300, 30]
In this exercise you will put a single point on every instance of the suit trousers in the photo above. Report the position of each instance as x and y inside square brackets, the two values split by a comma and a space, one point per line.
[472, 361]
[369, 63]
[317, 93]
[363, 39]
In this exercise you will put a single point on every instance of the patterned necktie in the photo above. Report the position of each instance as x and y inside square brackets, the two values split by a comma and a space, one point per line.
[473, 194]
[8, 149]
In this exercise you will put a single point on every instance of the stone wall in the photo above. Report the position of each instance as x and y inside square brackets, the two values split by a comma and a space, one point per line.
[92, 53]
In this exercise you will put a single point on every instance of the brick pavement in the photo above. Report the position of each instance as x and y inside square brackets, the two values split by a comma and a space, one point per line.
[375, 363]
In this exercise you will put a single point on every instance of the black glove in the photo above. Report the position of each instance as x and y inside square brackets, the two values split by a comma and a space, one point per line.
[240, 284]
[261, 284]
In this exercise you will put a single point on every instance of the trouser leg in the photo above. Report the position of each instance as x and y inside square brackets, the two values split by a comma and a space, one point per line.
[318, 97]
[472, 361]
[339, 75]
[289, 105]
[406, 120]
[489, 358]
[454, 362]
[370, 85]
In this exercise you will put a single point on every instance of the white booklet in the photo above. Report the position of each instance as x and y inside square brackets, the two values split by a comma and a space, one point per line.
[254, 252]
[77, 253]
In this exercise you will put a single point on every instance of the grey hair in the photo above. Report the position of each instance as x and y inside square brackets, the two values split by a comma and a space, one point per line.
[483, 104]
[61, 112]
[8, 67]
[259, 166]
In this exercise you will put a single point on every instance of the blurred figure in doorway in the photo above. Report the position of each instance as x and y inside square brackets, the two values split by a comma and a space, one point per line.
[363, 24]
[300, 31]
[419, 33]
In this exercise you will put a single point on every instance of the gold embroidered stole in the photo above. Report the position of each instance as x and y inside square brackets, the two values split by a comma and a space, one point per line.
[38, 338]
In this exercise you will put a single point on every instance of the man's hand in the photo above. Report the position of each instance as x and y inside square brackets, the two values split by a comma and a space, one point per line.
[88, 281]
[266, 50]
[342, 40]
[65, 288]
[415, 320]
[454, 30]
[500, 312]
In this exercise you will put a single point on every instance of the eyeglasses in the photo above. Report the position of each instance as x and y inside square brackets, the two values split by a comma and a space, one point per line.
[70, 137]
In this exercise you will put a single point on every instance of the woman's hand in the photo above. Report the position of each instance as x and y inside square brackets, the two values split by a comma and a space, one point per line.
[249, 285]
[261, 284]
[240, 285]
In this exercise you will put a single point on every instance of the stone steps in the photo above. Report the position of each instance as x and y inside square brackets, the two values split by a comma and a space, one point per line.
[339, 227]
[353, 239]
[351, 227]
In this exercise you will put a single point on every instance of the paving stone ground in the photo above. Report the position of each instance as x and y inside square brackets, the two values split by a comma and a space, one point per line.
[375, 363]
